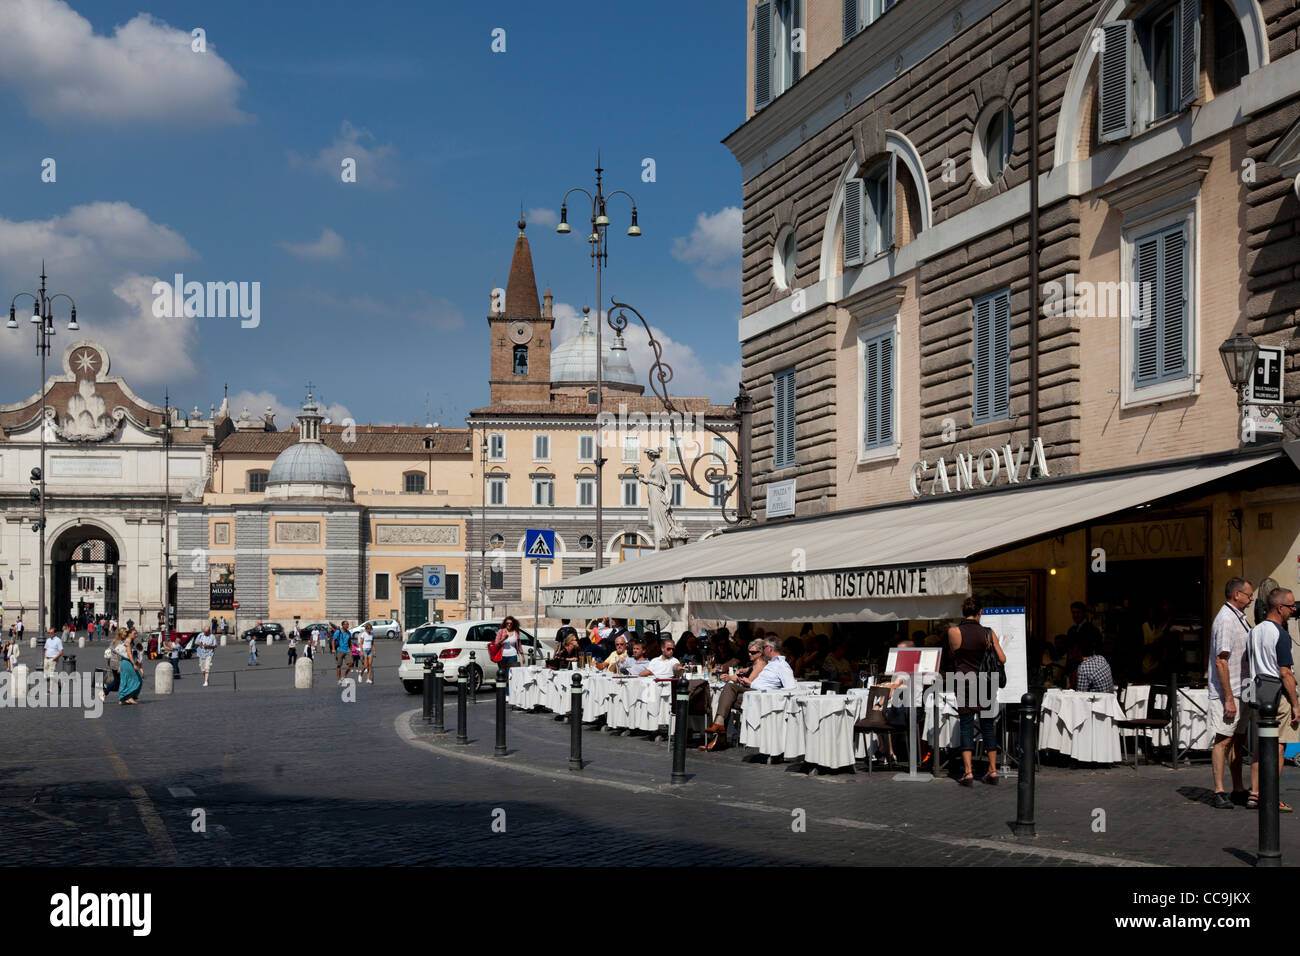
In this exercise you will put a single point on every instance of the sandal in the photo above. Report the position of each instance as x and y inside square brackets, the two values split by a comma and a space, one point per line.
[990, 778]
[1252, 801]
[968, 780]
[1283, 807]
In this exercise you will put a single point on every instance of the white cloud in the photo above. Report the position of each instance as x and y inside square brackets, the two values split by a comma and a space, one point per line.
[712, 250]
[543, 217]
[103, 255]
[691, 375]
[377, 314]
[285, 414]
[373, 163]
[145, 72]
[328, 246]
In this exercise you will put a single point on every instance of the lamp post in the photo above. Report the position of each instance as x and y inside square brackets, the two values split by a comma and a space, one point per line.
[598, 240]
[1239, 355]
[43, 319]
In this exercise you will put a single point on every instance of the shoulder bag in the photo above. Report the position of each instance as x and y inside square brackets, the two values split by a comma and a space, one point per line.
[991, 665]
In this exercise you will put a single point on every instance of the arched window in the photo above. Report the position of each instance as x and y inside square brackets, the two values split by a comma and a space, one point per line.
[521, 359]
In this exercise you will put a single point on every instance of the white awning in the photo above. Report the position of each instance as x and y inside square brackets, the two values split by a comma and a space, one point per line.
[896, 562]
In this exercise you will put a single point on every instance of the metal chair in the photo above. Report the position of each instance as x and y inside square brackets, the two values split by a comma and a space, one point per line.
[1157, 718]
[875, 722]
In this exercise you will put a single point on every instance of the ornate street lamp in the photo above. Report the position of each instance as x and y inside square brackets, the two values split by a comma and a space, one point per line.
[43, 319]
[597, 238]
[1239, 355]
[723, 483]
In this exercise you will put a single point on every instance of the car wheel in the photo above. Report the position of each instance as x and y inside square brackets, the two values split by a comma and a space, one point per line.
[475, 679]
[412, 686]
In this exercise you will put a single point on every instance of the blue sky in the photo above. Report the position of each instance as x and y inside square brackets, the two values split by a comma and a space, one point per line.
[225, 166]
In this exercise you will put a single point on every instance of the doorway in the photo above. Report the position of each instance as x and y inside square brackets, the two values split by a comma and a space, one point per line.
[84, 563]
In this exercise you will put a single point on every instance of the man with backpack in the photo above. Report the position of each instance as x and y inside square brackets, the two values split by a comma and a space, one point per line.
[343, 652]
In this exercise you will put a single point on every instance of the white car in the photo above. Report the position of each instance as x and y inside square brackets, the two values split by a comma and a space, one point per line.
[382, 627]
[453, 641]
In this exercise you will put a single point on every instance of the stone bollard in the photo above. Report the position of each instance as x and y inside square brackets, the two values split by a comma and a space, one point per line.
[81, 642]
[19, 685]
[33, 643]
[302, 674]
[163, 675]
[223, 640]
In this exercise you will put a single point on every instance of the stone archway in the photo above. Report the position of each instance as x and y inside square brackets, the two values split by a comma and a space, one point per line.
[84, 574]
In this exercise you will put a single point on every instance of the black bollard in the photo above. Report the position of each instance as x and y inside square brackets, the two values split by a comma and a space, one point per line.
[501, 714]
[438, 704]
[427, 712]
[472, 665]
[1024, 825]
[575, 724]
[462, 715]
[1270, 847]
[681, 728]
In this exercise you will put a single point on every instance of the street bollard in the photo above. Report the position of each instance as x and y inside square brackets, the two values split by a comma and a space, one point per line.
[500, 750]
[162, 678]
[1024, 825]
[575, 724]
[462, 715]
[681, 729]
[472, 665]
[303, 675]
[427, 709]
[1270, 847]
[438, 699]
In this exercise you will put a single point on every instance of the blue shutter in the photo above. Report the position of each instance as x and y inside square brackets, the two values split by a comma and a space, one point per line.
[1189, 52]
[762, 55]
[1000, 400]
[878, 381]
[850, 19]
[852, 222]
[887, 389]
[1146, 319]
[1173, 292]
[783, 416]
[983, 359]
[870, 375]
[1114, 82]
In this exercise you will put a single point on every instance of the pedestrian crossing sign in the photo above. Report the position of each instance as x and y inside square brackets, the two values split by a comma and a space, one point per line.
[539, 544]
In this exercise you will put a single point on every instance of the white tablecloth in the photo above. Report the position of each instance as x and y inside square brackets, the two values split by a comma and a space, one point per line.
[1193, 716]
[765, 721]
[1081, 726]
[825, 724]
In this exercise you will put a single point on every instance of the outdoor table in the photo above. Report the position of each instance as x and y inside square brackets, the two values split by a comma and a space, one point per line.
[1081, 726]
[822, 729]
[527, 685]
[764, 719]
[1193, 716]
[949, 722]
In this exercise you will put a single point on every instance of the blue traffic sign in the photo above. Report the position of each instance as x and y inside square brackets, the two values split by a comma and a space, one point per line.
[539, 544]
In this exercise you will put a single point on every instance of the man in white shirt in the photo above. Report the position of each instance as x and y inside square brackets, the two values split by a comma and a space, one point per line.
[206, 647]
[776, 673]
[53, 651]
[1228, 720]
[1270, 655]
[664, 666]
[636, 665]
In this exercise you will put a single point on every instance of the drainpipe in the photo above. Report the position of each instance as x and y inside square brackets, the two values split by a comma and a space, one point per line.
[1034, 47]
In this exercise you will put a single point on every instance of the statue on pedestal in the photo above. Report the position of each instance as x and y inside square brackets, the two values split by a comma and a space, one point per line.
[659, 496]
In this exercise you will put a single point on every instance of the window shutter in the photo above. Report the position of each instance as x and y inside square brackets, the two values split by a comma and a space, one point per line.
[887, 389]
[796, 56]
[853, 222]
[850, 19]
[1000, 402]
[1146, 340]
[783, 416]
[1173, 331]
[887, 206]
[1189, 51]
[871, 376]
[1114, 82]
[762, 55]
[983, 358]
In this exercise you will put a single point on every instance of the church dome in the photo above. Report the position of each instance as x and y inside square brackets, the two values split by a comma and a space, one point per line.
[309, 468]
[574, 361]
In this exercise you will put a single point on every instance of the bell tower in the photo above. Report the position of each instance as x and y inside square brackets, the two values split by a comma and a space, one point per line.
[520, 335]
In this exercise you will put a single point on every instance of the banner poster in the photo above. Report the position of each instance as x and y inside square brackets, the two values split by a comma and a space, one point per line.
[1009, 625]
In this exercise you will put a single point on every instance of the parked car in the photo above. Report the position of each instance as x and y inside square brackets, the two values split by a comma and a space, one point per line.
[453, 641]
[263, 631]
[324, 628]
[381, 627]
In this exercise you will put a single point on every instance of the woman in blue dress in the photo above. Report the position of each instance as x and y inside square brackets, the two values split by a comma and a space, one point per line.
[130, 683]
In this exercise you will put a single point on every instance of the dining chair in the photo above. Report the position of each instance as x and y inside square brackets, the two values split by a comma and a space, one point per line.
[875, 722]
[1157, 718]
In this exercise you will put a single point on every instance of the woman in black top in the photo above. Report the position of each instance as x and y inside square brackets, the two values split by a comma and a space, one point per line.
[967, 643]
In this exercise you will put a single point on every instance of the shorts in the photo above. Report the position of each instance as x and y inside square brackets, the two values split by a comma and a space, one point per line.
[1221, 727]
[50, 665]
[1286, 734]
[205, 664]
[367, 652]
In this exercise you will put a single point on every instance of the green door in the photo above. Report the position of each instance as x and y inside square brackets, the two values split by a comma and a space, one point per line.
[414, 608]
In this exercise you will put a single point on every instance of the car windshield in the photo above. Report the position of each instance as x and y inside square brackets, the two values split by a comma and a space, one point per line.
[430, 634]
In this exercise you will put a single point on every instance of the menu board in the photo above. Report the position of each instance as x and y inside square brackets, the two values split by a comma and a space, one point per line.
[1009, 624]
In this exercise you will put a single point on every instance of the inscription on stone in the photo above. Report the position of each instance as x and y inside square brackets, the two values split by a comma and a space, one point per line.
[297, 532]
[417, 534]
[221, 532]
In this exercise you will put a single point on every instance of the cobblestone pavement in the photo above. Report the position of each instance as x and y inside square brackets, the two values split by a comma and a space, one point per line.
[268, 775]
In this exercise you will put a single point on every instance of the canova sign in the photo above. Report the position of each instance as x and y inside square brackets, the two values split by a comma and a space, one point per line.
[982, 467]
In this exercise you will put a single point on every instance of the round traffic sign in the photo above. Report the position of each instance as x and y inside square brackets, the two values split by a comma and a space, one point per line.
[235, 603]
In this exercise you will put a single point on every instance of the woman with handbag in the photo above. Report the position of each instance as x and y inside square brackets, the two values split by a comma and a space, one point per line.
[506, 649]
[111, 663]
[976, 650]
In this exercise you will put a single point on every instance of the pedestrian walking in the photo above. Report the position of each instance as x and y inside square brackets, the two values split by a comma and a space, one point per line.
[112, 665]
[129, 667]
[15, 648]
[1272, 670]
[174, 655]
[293, 647]
[368, 653]
[1228, 672]
[205, 646]
[342, 653]
[252, 651]
[53, 651]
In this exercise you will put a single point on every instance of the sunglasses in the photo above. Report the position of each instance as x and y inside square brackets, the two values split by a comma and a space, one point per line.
[752, 653]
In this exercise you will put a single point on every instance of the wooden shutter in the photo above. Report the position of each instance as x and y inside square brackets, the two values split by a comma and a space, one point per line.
[871, 378]
[850, 19]
[887, 389]
[887, 210]
[762, 55]
[1189, 52]
[1114, 82]
[1173, 291]
[796, 56]
[783, 419]
[1146, 339]
[1000, 322]
[983, 358]
[853, 222]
